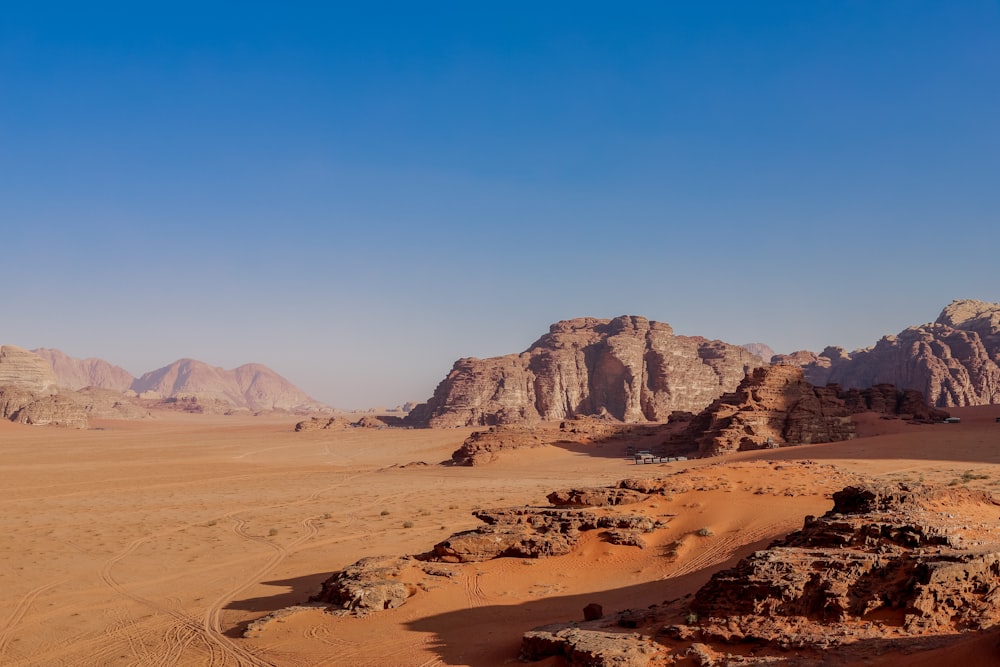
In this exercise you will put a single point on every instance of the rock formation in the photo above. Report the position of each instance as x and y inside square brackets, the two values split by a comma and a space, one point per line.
[324, 424]
[73, 373]
[72, 409]
[953, 361]
[25, 370]
[485, 446]
[774, 407]
[917, 559]
[251, 386]
[635, 369]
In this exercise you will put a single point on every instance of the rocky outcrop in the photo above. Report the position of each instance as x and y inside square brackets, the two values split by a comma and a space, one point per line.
[25, 370]
[324, 424]
[484, 447]
[953, 361]
[251, 386]
[531, 532]
[72, 409]
[52, 410]
[73, 373]
[371, 584]
[589, 648]
[775, 407]
[602, 496]
[632, 368]
[916, 559]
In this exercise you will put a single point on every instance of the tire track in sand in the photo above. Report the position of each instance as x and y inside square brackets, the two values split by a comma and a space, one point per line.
[471, 583]
[221, 650]
[20, 609]
[212, 620]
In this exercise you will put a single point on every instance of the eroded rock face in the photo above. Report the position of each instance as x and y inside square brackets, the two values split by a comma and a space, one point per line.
[775, 406]
[72, 409]
[484, 447]
[630, 367]
[532, 532]
[588, 648]
[371, 584]
[26, 370]
[953, 361]
[915, 558]
[324, 424]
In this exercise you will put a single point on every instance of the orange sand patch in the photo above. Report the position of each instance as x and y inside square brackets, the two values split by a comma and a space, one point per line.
[157, 542]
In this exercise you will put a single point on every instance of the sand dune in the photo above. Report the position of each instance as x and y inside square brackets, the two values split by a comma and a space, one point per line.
[158, 542]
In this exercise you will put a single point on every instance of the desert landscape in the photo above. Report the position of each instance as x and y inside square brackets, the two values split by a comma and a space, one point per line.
[615, 496]
[163, 541]
[455, 334]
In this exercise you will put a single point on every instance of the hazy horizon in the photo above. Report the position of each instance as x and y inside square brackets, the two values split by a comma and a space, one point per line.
[358, 196]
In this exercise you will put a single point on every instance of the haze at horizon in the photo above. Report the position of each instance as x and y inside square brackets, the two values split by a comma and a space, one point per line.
[358, 196]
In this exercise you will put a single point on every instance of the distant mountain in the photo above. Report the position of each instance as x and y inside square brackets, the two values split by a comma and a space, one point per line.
[74, 373]
[759, 349]
[251, 386]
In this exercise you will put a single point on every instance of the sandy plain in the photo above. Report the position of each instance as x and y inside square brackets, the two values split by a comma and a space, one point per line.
[158, 542]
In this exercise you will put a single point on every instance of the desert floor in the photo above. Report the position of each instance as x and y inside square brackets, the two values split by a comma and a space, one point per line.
[157, 542]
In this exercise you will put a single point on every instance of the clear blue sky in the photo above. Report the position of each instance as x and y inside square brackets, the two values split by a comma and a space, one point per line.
[357, 194]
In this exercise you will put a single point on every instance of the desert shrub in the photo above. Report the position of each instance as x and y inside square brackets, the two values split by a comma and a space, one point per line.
[407, 524]
[705, 532]
[384, 513]
[272, 532]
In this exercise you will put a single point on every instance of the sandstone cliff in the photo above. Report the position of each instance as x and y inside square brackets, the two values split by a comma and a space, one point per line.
[635, 369]
[73, 373]
[774, 407]
[953, 361]
[25, 370]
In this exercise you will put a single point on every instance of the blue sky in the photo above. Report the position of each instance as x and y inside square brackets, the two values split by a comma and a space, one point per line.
[357, 194]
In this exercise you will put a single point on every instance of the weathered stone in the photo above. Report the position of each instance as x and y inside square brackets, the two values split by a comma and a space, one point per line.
[775, 407]
[484, 447]
[631, 368]
[323, 424]
[26, 371]
[531, 532]
[588, 648]
[884, 551]
[593, 612]
[953, 361]
[596, 497]
[371, 584]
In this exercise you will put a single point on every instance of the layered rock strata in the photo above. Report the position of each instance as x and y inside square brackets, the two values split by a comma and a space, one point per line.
[25, 370]
[916, 559]
[531, 533]
[953, 361]
[632, 368]
[775, 407]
